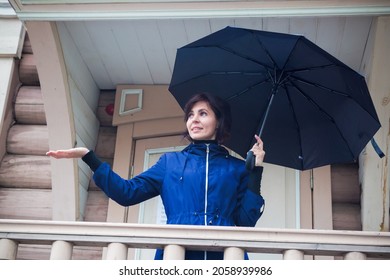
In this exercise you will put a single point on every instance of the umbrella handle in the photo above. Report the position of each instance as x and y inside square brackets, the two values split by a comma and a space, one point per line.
[250, 160]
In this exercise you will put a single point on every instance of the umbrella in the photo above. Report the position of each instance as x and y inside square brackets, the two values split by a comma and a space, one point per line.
[309, 108]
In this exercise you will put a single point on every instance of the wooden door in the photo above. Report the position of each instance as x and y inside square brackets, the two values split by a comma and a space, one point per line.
[147, 153]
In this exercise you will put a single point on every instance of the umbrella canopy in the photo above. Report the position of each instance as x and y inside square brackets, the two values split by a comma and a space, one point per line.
[309, 108]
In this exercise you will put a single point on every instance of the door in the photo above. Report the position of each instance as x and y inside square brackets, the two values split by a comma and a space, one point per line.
[147, 153]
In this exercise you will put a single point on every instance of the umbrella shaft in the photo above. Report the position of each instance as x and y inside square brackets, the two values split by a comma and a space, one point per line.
[266, 112]
[250, 157]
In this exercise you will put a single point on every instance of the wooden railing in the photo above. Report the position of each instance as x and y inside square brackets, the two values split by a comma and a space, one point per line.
[233, 241]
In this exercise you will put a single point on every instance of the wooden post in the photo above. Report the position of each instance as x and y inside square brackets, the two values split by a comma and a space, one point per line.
[55, 90]
[374, 171]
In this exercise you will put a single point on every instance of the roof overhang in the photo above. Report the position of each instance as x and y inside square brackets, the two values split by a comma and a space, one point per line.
[68, 10]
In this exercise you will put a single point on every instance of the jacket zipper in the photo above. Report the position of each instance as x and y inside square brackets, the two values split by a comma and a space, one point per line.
[206, 184]
[206, 188]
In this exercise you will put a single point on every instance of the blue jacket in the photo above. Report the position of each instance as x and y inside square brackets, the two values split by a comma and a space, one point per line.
[201, 185]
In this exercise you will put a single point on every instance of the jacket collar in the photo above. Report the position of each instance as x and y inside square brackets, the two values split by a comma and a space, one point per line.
[200, 147]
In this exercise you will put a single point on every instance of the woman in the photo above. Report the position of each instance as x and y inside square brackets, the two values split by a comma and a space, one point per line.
[201, 185]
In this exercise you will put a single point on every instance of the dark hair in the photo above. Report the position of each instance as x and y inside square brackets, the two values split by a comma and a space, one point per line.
[221, 110]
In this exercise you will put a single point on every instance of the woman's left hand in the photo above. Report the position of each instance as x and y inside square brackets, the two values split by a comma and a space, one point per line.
[258, 151]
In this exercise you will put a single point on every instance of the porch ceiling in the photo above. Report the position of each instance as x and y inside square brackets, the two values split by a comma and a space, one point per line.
[143, 51]
[135, 42]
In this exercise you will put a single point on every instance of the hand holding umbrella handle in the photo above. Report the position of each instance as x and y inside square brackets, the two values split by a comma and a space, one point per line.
[255, 156]
[250, 160]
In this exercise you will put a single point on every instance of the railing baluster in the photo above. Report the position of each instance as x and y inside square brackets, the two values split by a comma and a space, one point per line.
[233, 253]
[116, 251]
[355, 256]
[61, 250]
[8, 249]
[293, 255]
[174, 252]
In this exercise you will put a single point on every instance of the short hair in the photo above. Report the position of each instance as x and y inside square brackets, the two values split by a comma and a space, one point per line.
[221, 109]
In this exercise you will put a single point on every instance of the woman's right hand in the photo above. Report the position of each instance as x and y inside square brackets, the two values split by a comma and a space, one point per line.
[70, 153]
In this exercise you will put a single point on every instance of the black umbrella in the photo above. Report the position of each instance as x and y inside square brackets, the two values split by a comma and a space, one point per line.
[309, 108]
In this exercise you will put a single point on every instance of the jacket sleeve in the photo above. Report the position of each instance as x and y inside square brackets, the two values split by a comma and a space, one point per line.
[133, 191]
[250, 204]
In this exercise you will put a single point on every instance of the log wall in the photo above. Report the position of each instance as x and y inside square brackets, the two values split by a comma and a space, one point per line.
[25, 184]
[97, 202]
[28, 140]
[25, 170]
[26, 204]
[346, 193]
[28, 73]
[28, 106]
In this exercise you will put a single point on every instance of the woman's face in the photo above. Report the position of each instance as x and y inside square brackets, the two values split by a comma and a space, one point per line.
[202, 122]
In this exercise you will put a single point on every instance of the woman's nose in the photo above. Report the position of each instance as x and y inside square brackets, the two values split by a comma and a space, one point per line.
[195, 118]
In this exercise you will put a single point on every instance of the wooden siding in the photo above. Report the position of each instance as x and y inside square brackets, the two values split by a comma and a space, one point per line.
[11, 36]
[85, 98]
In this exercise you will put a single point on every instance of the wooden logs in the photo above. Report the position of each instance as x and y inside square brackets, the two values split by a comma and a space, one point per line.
[96, 207]
[25, 204]
[345, 183]
[105, 147]
[29, 108]
[28, 140]
[28, 73]
[106, 98]
[27, 49]
[346, 197]
[346, 216]
[20, 171]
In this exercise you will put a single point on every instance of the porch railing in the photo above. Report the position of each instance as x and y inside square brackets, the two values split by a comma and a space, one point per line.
[175, 239]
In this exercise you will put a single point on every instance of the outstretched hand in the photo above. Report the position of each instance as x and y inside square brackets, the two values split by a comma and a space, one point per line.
[70, 153]
[258, 151]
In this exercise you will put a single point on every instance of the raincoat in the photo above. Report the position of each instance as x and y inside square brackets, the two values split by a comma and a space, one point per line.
[201, 185]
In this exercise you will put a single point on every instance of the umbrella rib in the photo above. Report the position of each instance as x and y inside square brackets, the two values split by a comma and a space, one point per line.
[237, 54]
[332, 91]
[267, 68]
[244, 57]
[296, 122]
[324, 112]
[337, 92]
[230, 73]
[246, 90]
[311, 68]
